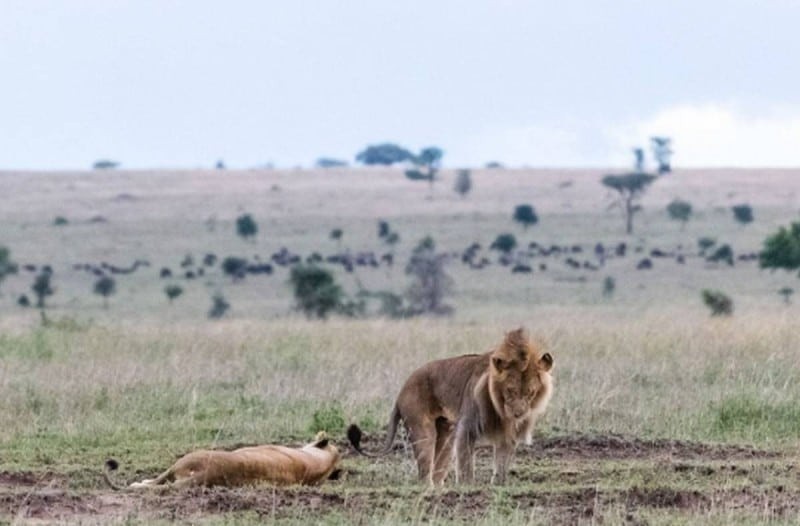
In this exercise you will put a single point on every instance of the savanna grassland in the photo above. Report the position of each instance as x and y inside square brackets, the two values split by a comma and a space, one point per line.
[661, 414]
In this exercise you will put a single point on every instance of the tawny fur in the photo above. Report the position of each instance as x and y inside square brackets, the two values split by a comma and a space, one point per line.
[277, 465]
[449, 405]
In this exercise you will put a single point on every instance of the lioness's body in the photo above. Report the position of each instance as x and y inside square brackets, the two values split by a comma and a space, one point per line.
[278, 465]
[452, 403]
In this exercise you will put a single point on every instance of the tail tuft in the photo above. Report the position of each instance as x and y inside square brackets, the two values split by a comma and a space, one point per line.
[354, 435]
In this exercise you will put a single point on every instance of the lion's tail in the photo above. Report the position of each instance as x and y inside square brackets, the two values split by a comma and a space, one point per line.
[354, 435]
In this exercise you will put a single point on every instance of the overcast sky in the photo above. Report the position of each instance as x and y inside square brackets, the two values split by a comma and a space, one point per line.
[161, 83]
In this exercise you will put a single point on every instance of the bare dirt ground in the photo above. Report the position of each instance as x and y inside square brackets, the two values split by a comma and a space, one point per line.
[568, 479]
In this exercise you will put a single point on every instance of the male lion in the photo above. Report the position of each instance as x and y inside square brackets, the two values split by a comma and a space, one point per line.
[452, 403]
[279, 465]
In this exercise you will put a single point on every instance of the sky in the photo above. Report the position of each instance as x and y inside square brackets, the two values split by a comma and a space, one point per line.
[181, 84]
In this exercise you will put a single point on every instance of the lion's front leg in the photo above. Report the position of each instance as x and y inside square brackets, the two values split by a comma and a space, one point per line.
[503, 454]
[465, 456]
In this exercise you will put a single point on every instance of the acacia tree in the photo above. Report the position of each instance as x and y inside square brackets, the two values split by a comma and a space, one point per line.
[679, 210]
[42, 288]
[525, 215]
[430, 283]
[105, 287]
[630, 188]
[427, 162]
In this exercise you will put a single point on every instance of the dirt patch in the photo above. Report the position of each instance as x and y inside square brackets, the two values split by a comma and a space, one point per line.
[617, 447]
[28, 478]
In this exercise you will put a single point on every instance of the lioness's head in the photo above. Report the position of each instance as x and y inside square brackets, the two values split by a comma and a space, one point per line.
[519, 375]
[322, 443]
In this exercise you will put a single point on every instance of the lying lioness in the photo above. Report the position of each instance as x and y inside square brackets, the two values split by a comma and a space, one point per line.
[279, 465]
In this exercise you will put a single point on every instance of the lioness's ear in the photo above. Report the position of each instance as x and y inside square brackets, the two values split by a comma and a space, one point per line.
[321, 444]
[546, 362]
[499, 363]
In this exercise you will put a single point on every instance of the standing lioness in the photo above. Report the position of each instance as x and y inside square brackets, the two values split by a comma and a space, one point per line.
[278, 465]
[452, 403]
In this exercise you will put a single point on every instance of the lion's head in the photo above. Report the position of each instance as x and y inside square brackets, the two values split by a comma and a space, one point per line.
[519, 377]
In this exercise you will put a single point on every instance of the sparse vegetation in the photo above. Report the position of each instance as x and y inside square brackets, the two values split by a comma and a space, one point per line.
[430, 283]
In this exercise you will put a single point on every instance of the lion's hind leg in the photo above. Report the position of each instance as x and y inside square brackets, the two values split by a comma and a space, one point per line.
[445, 436]
[422, 433]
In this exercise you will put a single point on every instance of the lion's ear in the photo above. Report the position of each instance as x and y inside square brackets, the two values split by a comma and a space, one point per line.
[546, 362]
[516, 338]
[321, 444]
[500, 364]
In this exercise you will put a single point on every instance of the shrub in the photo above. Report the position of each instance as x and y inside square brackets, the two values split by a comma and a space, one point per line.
[7, 266]
[718, 302]
[219, 306]
[679, 210]
[105, 164]
[781, 249]
[327, 162]
[246, 226]
[173, 291]
[329, 418]
[234, 267]
[60, 221]
[525, 215]
[504, 243]
[23, 301]
[723, 253]
[315, 291]
[786, 294]
[336, 234]
[743, 214]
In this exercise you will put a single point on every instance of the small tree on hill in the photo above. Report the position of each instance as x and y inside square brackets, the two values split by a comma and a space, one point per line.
[234, 267]
[336, 235]
[679, 210]
[105, 287]
[428, 162]
[172, 292]
[105, 164]
[246, 227]
[630, 188]
[723, 253]
[782, 249]
[525, 215]
[704, 243]
[463, 183]
[7, 266]
[718, 302]
[743, 214]
[505, 243]
[662, 152]
[42, 289]
[316, 292]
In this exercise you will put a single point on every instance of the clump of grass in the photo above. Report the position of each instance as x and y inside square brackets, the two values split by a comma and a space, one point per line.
[329, 417]
[751, 418]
